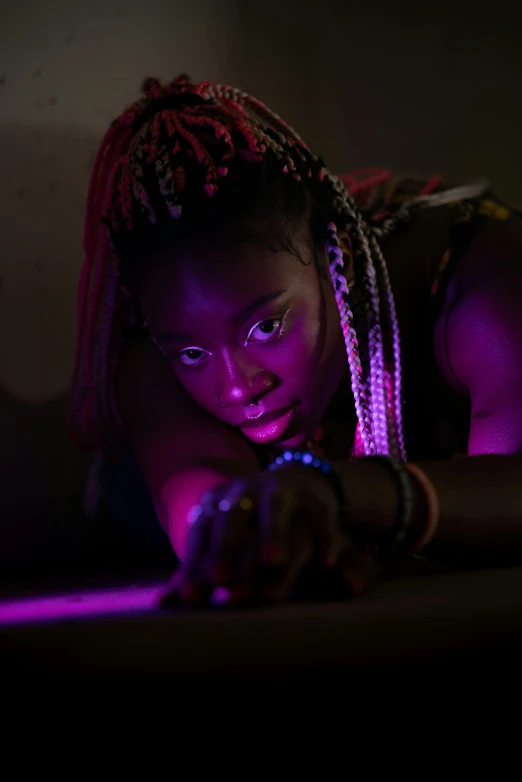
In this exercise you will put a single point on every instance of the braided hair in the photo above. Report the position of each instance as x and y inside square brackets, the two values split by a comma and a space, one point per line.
[160, 171]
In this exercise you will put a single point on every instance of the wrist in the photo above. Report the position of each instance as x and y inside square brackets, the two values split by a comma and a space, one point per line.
[374, 502]
[322, 467]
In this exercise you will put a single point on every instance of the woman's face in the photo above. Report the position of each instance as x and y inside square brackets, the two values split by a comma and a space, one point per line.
[252, 334]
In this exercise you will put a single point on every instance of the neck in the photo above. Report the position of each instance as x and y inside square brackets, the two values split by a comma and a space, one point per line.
[341, 402]
[339, 420]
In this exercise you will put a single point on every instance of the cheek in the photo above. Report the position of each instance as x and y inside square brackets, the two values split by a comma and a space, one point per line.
[198, 385]
[300, 350]
[316, 357]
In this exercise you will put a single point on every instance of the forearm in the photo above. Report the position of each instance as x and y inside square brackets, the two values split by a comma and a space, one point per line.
[480, 501]
[184, 488]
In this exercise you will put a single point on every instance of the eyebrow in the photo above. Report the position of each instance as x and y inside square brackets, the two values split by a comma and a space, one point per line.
[256, 305]
[236, 319]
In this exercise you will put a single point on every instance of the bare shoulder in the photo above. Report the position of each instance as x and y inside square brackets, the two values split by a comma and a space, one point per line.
[494, 258]
[167, 429]
[478, 333]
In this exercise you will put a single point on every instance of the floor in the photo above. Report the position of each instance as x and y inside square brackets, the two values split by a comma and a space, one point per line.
[109, 626]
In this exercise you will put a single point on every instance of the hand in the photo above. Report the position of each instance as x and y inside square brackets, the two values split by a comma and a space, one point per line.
[262, 537]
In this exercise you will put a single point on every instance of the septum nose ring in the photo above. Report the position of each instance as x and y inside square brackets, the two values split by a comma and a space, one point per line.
[223, 407]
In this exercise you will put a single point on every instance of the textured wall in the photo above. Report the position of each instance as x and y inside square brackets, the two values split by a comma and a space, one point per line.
[66, 68]
[414, 89]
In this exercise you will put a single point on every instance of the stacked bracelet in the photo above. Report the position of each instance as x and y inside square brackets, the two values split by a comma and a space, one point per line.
[433, 509]
[309, 459]
[405, 504]
[404, 475]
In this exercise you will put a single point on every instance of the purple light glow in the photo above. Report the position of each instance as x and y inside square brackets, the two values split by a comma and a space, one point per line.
[75, 605]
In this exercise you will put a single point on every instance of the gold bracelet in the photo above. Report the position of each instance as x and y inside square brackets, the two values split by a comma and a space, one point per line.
[432, 500]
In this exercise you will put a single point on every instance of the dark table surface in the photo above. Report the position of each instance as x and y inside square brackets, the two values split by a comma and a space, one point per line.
[109, 626]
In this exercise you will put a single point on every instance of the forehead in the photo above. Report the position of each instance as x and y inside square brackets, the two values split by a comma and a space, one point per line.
[206, 275]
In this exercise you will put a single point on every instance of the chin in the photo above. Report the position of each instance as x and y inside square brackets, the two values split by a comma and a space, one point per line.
[299, 435]
[296, 442]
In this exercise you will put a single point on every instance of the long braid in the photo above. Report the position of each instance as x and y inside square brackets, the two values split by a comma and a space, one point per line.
[143, 171]
[375, 386]
[84, 424]
[372, 406]
[394, 389]
[342, 297]
[375, 344]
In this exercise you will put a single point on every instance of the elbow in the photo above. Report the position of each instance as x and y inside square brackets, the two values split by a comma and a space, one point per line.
[180, 492]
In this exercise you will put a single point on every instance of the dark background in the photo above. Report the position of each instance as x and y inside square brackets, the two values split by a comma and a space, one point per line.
[418, 88]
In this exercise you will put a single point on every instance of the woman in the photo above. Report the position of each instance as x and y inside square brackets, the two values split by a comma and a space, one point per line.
[236, 313]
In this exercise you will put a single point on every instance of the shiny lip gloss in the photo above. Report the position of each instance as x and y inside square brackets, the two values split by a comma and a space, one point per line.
[268, 427]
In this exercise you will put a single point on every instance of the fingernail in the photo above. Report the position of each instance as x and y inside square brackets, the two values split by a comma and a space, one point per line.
[220, 596]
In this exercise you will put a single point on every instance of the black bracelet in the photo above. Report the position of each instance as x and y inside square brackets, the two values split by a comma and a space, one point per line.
[321, 465]
[405, 509]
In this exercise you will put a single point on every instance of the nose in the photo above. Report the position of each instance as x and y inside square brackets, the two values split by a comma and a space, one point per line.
[241, 382]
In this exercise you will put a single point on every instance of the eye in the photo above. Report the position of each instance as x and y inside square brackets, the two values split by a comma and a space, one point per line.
[265, 330]
[190, 356]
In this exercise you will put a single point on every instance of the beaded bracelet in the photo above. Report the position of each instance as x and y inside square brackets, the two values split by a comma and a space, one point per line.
[405, 509]
[323, 466]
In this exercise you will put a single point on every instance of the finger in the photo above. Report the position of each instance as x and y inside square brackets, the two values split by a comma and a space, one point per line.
[356, 569]
[246, 575]
[170, 597]
[324, 521]
[180, 591]
[220, 597]
[314, 505]
[198, 541]
[233, 527]
[191, 583]
[299, 555]
[276, 510]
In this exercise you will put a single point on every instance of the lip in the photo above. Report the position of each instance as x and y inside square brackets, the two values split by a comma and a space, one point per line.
[269, 426]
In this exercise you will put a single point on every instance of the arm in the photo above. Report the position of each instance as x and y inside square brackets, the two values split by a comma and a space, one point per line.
[182, 451]
[480, 506]
[478, 343]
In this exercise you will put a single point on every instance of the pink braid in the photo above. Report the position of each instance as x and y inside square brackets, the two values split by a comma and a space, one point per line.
[97, 257]
[202, 155]
[155, 136]
[91, 233]
[103, 342]
[221, 132]
[396, 385]
[376, 356]
[241, 99]
[342, 296]
[390, 415]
